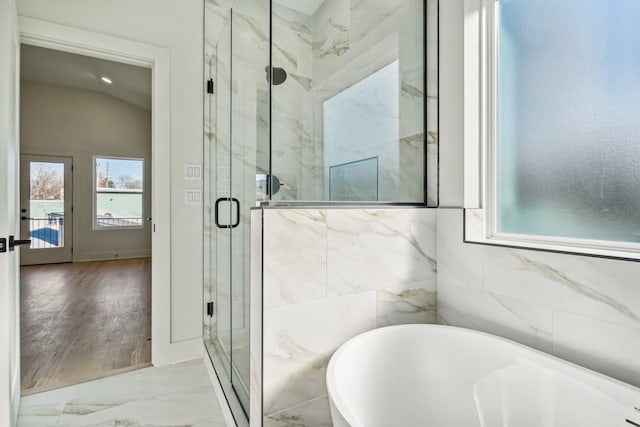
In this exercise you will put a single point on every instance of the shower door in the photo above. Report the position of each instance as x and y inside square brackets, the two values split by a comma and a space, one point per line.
[236, 138]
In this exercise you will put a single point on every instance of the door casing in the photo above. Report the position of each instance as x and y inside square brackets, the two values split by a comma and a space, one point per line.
[68, 39]
[9, 172]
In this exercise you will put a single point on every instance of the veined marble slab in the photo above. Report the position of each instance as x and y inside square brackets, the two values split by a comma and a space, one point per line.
[299, 340]
[167, 396]
[369, 249]
[294, 256]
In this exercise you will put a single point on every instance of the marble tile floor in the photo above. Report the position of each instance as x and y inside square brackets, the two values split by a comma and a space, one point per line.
[168, 396]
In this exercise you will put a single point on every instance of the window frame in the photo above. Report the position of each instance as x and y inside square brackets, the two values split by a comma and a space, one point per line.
[95, 193]
[481, 33]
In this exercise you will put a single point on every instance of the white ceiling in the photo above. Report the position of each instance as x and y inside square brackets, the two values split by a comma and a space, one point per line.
[308, 7]
[130, 83]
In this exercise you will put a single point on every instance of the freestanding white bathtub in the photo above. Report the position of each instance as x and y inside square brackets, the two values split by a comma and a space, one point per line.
[432, 375]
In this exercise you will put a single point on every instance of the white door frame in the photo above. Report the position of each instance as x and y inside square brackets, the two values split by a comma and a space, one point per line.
[9, 172]
[68, 39]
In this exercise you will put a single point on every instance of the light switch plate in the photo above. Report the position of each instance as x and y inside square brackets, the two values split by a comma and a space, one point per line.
[192, 197]
[192, 172]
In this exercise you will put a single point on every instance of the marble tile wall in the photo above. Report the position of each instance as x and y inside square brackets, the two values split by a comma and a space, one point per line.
[582, 309]
[330, 274]
[294, 154]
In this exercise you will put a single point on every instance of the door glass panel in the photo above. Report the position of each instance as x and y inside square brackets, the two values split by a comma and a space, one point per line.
[222, 190]
[46, 205]
[250, 63]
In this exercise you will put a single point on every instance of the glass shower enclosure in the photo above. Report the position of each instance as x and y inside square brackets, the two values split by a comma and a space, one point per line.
[236, 138]
[319, 101]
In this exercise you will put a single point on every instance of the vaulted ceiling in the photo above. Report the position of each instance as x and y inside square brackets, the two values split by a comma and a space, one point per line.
[129, 83]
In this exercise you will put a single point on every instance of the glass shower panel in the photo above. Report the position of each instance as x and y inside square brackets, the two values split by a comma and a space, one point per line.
[250, 88]
[362, 58]
[220, 207]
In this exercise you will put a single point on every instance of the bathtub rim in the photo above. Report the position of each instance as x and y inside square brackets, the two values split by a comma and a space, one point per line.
[332, 382]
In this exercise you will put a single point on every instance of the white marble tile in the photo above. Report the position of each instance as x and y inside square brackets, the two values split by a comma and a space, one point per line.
[411, 102]
[459, 263]
[286, 51]
[170, 409]
[411, 157]
[609, 348]
[330, 32]
[172, 395]
[292, 20]
[602, 288]
[432, 47]
[216, 16]
[314, 413]
[299, 340]
[432, 168]
[402, 306]
[367, 14]
[294, 256]
[380, 249]
[524, 322]
[255, 376]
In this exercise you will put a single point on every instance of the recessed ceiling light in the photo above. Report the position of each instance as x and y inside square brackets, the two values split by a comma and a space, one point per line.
[107, 80]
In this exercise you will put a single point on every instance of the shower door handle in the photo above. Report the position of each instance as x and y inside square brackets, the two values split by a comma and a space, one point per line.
[217, 210]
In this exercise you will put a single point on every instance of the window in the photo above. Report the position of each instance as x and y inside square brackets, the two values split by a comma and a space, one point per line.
[119, 189]
[559, 105]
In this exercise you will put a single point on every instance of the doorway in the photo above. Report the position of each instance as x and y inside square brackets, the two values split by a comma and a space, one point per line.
[86, 206]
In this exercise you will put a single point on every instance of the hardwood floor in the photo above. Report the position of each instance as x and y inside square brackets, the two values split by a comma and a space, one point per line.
[82, 321]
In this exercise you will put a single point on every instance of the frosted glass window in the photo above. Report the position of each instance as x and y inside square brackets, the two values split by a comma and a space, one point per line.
[568, 114]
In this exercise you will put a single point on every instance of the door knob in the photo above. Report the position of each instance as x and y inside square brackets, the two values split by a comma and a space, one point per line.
[13, 243]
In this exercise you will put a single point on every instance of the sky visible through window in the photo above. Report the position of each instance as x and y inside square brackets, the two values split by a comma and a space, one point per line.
[119, 174]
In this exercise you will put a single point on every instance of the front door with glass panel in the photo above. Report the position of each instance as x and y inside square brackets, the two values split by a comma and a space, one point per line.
[45, 209]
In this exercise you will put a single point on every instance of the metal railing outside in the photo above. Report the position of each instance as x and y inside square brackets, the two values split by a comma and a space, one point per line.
[108, 221]
[47, 232]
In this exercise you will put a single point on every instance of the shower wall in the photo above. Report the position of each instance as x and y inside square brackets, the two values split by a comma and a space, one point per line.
[328, 275]
[338, 46]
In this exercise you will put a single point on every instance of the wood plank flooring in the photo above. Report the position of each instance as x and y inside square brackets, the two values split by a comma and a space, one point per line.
[82, 321]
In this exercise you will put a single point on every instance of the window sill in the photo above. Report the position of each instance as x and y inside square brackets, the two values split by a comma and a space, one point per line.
[475, 231]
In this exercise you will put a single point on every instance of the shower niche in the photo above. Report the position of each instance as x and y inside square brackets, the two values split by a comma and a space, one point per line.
[306, 102]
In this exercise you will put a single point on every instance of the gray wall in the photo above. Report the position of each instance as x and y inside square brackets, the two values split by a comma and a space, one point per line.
[56, 120]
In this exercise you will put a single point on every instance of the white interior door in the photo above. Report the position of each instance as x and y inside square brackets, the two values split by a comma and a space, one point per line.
[9, 260]
[45, 209]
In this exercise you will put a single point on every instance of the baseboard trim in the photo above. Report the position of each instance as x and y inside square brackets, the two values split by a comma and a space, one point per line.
[107, 256]
[186, 350]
